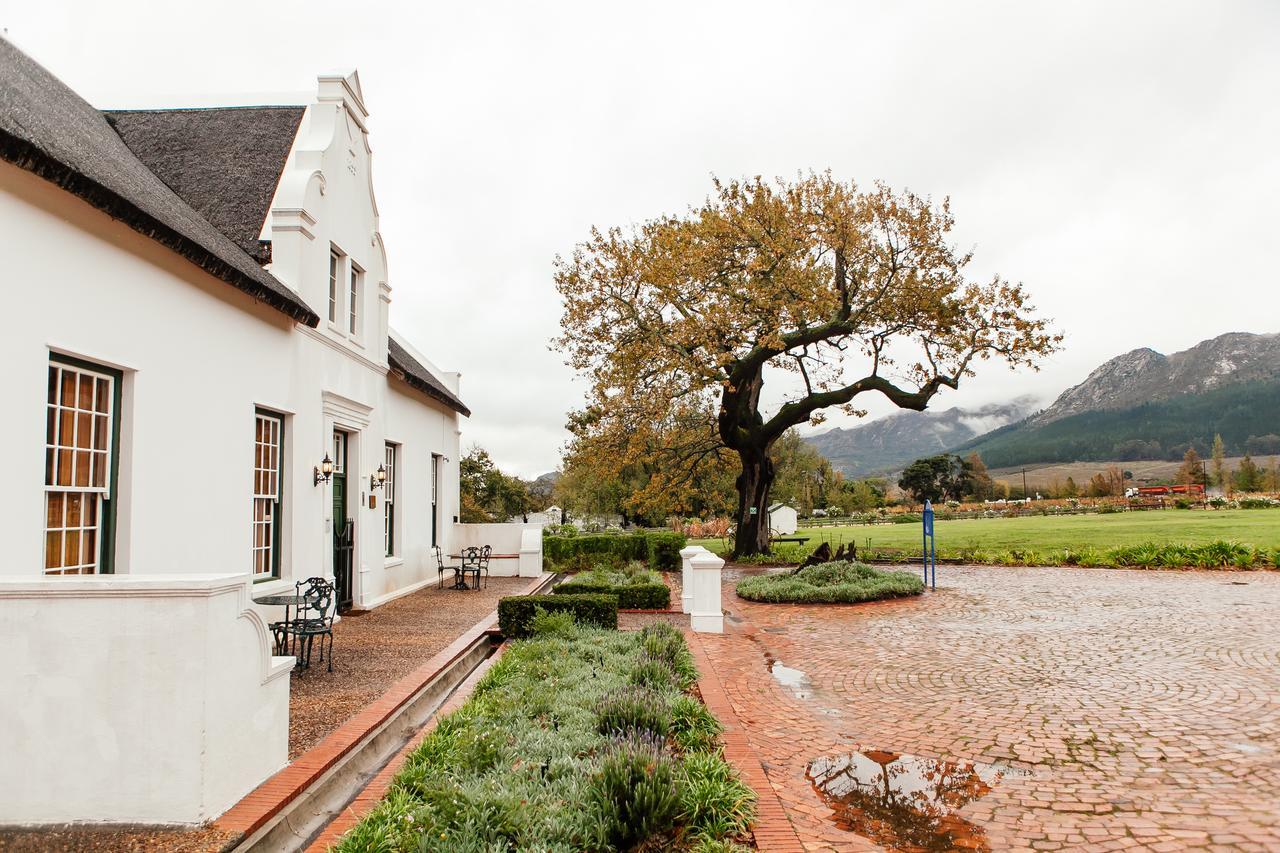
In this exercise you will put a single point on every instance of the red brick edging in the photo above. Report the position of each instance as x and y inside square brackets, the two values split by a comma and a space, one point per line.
[772, 830]
[261, 804]
[378, 786]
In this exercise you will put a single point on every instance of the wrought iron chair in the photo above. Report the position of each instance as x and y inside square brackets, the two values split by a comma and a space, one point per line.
[314, 619]
[485, 552]
[441, 565]
[471, 564]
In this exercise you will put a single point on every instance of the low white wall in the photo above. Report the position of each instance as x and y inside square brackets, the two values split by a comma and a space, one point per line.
[522, 540]
[135, 699]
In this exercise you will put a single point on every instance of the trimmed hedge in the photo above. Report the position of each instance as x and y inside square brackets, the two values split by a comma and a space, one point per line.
[659, 548]
[664, 549]
[636, 596]
[516, 612]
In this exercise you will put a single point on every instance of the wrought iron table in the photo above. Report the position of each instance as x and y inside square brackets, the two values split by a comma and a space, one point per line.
[284, 599]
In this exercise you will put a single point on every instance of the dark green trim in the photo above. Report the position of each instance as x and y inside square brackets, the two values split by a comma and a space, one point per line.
[107, 527]
[277, 539]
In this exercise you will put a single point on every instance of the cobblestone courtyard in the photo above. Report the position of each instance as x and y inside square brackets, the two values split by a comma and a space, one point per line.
[1119, 709]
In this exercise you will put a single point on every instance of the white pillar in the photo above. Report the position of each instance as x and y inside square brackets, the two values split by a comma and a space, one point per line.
[686, 576]
[530, 552]
[707, 615]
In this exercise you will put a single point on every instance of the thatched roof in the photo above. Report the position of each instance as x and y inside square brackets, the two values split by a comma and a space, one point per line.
[52, 132]
[223, 162]
[416, 375]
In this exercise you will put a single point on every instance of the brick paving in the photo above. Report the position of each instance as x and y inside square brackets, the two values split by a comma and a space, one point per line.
[1143, 706]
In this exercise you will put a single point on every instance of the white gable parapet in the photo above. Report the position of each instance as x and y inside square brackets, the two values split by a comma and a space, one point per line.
[325, 204]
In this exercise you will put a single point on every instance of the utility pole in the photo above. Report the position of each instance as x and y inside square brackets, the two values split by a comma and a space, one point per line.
[1024, 485]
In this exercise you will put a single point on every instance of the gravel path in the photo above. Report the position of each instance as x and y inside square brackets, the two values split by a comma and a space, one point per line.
[375, 648]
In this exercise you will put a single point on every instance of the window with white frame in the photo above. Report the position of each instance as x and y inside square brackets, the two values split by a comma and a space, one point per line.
[335, 281]
[80, 450]
[353, 309]
[435, 487]
[389, 501]
[268, 467]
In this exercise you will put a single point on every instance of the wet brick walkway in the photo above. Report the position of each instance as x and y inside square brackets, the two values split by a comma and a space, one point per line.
[1145, 705]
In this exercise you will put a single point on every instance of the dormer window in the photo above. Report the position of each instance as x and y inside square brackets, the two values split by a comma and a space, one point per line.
[357, 286]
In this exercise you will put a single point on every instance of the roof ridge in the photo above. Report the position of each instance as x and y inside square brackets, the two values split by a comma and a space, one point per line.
[241, 107]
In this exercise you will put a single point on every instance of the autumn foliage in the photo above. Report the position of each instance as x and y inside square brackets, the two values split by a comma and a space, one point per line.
[832, 290]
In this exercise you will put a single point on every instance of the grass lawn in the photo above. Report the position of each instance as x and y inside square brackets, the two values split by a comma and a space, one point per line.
[1260, 528]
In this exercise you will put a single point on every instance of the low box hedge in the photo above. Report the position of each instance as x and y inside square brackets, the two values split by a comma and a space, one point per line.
[636, 596]
[664, 549]
[659, 548]
[515, 612]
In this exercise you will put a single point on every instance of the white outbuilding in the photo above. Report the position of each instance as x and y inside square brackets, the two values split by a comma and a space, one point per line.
[782, 520]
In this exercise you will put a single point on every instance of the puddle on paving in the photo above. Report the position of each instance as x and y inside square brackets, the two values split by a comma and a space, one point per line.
[905, 802]
[793, 679]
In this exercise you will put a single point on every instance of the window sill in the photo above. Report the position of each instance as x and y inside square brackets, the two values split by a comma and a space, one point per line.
[270, 586]
[392, 562]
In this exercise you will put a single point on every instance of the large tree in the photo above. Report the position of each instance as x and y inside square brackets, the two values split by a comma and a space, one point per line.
[934, 478]
[850, 291]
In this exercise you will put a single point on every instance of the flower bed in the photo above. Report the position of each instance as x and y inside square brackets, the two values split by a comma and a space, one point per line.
[636, 587]
[577, 739]
[830, 583]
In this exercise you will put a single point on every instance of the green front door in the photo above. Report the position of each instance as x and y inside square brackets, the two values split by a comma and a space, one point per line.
[343, 527]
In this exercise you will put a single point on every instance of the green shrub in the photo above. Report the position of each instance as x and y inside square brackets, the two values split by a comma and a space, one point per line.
[656, 674]
[660, 549]
[664, 549]
[633, 710]
[693, 727]
[830, 583]
[635, 795]
[632, 595]
[558, 623]
[714, 802]
[516, 612]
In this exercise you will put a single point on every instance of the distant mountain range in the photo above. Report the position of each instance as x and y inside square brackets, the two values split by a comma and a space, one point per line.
[1140, 405]
[889, 443]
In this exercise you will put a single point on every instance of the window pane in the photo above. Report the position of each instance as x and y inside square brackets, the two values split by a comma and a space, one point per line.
[84, 430]
[53, 510]
[64, 468]
[68, 388]
[71, 548]
[52, 550]
[82, 467]
[74, 503]
[104, 396]
[86, 392]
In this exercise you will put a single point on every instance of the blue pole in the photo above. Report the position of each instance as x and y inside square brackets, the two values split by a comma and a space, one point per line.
[926, 543]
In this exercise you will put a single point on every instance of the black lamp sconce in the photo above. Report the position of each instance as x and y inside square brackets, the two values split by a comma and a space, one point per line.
[323, 471]
[378, 478]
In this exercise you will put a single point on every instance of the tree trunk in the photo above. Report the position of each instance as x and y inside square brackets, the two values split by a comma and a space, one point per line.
[753, 484]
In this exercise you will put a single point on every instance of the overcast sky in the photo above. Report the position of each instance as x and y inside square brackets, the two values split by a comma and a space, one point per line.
[1120, 159]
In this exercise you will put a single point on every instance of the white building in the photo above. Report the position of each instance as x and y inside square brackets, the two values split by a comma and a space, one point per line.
[782, 520]
[199, 316]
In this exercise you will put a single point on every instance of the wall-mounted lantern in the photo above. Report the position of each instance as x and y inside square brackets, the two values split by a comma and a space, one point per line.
[378, 478]
[323, 471]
